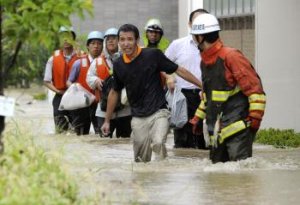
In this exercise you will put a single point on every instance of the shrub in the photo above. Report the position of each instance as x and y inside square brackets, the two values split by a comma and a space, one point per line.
[278, 138]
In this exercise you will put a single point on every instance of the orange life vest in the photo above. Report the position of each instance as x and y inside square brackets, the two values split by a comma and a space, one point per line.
[102, 71]
[61, 69]
[84, 67]
[102, 68]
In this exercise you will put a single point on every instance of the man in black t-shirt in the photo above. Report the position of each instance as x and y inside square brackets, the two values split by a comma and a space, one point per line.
[138, 70]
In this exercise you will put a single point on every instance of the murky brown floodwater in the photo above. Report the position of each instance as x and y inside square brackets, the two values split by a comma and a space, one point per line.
[272, 176]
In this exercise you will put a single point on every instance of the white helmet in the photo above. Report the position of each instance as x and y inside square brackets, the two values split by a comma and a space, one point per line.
[205, 23]
[111, 32]
[154, 25]
[95, 35]
[67, 29]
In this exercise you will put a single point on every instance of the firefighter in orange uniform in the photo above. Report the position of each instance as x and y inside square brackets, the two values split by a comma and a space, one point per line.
[234, 101]
[56, 74]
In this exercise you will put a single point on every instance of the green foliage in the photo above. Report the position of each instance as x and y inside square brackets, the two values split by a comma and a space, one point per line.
[40, 96]
[29, 32]
[37, 21]
[81, 43]
[29, 67]
[29, 175]
[278, 138]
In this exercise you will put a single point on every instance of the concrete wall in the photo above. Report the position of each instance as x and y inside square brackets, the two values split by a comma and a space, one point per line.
[114, 13]
[244, 40]
[185, 7]
[277, 55]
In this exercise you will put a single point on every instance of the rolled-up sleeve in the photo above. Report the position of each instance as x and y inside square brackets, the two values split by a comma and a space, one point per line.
[48, 70]
[92, 76]
[74, 71]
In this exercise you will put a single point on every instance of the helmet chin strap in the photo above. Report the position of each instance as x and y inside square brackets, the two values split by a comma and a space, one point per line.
[154, 44]
[199, 43]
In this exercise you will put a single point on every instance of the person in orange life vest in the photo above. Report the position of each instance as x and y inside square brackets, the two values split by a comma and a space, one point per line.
[83, 117]
[138, 71]
[56, 74]
[234, 101]
[100, 70]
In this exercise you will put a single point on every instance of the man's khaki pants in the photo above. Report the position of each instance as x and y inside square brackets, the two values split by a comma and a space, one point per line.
[150, 133]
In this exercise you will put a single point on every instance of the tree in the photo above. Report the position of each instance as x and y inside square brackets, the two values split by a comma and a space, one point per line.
[35, 22]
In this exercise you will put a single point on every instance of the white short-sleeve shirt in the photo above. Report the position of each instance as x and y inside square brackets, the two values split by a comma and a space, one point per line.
[185, 53]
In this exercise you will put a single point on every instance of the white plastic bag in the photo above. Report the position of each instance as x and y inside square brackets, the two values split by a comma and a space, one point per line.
[124, 99]
[178, 106]
[206, 134]
[76, 97]
[51, 95]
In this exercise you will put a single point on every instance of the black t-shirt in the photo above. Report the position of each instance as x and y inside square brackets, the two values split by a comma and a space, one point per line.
[141, 78]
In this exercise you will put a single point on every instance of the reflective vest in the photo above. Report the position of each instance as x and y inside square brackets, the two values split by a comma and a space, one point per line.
[162, 45]
[222, 100]
[61, 69]
[102, 68]
[84, 67]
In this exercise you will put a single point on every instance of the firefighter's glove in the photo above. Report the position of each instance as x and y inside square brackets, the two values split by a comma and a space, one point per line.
[197, 124]
[254, 123]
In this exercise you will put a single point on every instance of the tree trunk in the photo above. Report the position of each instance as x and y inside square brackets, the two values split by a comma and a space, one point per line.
[13, 59]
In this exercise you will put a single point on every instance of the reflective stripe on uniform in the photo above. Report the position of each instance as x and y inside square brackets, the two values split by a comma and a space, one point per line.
[200, 112]
[84, 62]
[257, 97]
[222, 96]
[99, 61]
[202, 105]
[57, 53]
[204, 97]
[257, 106]
[212, 141]
[231, 130]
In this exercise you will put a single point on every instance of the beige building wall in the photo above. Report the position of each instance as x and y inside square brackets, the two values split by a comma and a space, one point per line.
[244, 40]
[277, 60]
[114, 13]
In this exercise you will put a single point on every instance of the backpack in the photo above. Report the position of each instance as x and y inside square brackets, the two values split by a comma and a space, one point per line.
[107, 85]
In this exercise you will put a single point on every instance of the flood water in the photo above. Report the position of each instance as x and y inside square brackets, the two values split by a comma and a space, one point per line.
[187, 176]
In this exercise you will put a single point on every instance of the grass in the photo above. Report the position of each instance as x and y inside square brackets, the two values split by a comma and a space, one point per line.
[278, 138]
[30, 175]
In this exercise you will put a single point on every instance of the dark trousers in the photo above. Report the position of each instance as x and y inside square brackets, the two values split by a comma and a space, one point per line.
[94, 119]
[184, 137]
[237, 147]
[62, 118]
[81, 120]
[122, 125]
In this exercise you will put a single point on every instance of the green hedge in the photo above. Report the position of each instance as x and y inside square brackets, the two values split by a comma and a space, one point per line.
[279, 138]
